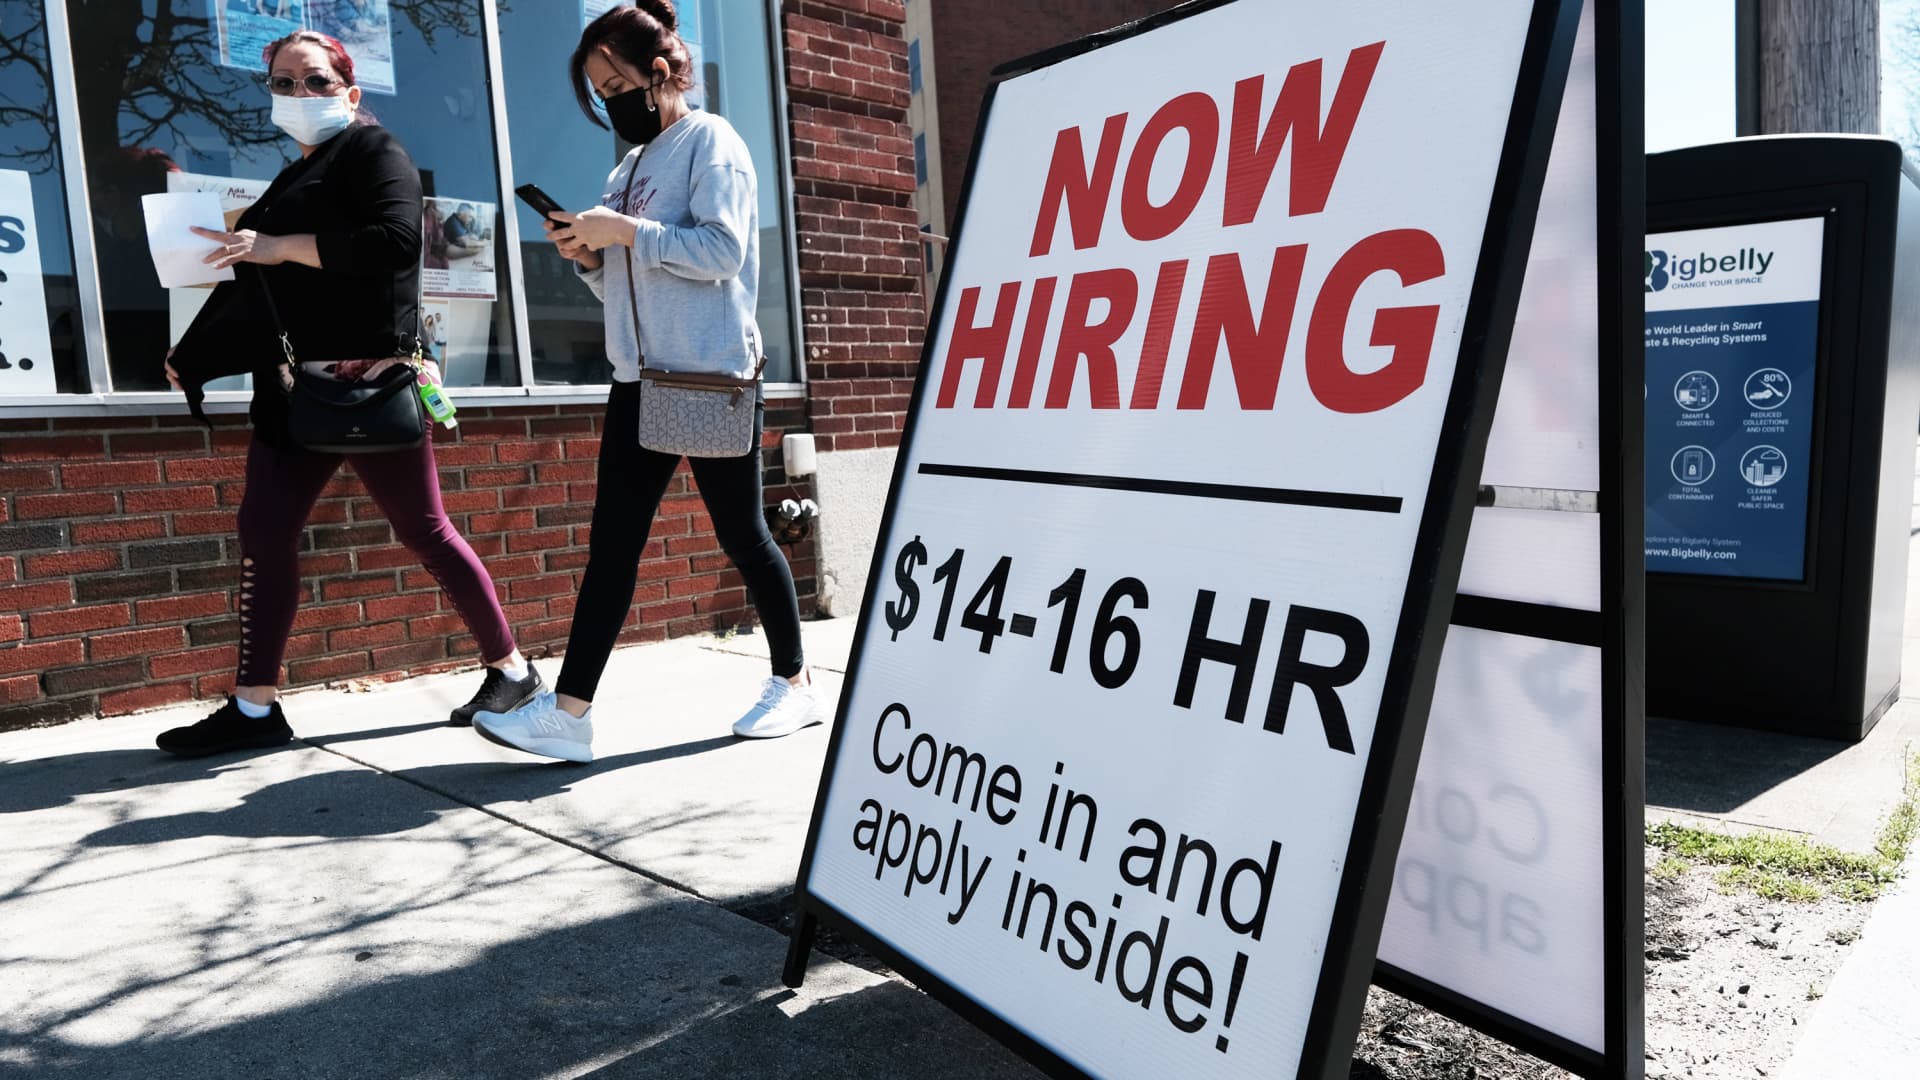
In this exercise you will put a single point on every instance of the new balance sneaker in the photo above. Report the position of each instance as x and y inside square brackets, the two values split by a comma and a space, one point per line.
[499, 694]
[783, 709]
[227, 729]
[541, 727]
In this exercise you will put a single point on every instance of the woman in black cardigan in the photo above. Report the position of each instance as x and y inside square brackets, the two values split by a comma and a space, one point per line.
[335, 241]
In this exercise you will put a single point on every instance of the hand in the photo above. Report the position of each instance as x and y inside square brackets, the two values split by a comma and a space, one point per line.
[173, 377]
[243, 246]
[596, 228]
[570, 248]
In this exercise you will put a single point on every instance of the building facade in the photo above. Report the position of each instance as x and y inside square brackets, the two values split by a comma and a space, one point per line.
[118, 558]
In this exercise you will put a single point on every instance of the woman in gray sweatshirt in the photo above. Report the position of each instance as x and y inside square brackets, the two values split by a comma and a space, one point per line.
[673, 253]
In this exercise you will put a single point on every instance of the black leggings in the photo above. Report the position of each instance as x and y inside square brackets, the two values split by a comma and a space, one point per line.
[632, 480]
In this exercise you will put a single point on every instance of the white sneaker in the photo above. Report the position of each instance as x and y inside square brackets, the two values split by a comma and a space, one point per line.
[783, 709]
[541, 727]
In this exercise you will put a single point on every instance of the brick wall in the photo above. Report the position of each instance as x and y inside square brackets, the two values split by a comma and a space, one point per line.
[118, 559]
[972, 37]
[854, 184]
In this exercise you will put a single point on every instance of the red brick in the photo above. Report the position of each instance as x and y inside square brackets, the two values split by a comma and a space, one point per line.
[534, 495]
[136, 642]
[301, 646]
[19, 688]
[362, 637]
[68, 563]
[11, 628]
[562, 425]
[176, 608]
[9, 567]
[528, 451]
[217, 523]
[383, 558]
[65, 505]
[400, 607]
[30, 597]
[499, 477]
[326, 564]
[409, 655]
[562, 471]
[201, 497]
[312, 618]
[160, 444]
[461, 454]
[54, 448]
[528, 588]
[467, 502]
[329, 667]
[583, 449]
[46, 624]
[365, 585]
[432, 625]
[41, 656]
[471, 430]
[689, 586]
[121, 702]
[566, 560]
[118, 530]
[537, 540]
[194, 662]
[111, 474]
[232, 467]
[28, 478]
[215, 685]
[500, 523]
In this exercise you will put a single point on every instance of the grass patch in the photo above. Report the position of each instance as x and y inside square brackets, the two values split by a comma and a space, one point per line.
[1896, 836]
[1669, 868]
[1781, 866]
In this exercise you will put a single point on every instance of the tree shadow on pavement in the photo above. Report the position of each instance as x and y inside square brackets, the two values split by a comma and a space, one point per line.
[674, 988]
[49, 782]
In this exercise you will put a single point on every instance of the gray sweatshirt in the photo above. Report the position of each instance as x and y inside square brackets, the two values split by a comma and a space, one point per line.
[695, 256]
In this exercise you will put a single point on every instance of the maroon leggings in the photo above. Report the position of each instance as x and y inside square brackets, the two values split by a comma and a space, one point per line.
[282, 486]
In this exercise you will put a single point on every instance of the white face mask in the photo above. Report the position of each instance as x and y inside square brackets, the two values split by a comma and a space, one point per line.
[312, 120]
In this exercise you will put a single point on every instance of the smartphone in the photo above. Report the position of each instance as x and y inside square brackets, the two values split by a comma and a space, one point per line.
[541, 202]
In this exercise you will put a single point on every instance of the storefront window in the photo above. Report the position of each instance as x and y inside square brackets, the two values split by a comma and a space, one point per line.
[171, 99]
[41, 340]
[569, 157]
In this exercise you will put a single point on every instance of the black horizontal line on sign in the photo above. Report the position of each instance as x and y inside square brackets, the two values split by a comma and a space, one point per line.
[1334, 500]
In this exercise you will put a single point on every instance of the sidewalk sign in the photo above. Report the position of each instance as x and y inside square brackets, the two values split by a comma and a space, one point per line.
[1154, 624]
[1517, 902]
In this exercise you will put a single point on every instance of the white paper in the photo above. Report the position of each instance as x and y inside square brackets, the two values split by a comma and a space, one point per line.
[178, 253]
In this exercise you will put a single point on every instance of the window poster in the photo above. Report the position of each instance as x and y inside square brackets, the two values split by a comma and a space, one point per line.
[457, 249]
[26, 350]
[363, 27]
[246, 27]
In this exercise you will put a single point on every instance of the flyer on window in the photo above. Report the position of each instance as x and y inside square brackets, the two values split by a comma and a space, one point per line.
[246, 27]
[456, 258]
[26, 352]
[365, 29]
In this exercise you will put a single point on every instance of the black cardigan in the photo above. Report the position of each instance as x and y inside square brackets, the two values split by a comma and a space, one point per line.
[359, 194]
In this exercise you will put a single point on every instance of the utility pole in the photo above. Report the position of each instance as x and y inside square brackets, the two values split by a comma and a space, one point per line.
[1809, 66]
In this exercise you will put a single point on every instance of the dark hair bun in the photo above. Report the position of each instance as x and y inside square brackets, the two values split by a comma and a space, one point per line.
[662, 12]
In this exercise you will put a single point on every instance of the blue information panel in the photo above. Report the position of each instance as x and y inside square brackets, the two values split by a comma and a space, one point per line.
[1733, 318]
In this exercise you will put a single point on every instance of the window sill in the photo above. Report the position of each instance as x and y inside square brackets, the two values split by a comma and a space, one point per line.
[167, 403]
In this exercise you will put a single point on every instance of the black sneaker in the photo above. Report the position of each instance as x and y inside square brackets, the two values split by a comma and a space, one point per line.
[227, 729]
[499, 694]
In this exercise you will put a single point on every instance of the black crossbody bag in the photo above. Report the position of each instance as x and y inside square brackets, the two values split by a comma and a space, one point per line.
[380, 415]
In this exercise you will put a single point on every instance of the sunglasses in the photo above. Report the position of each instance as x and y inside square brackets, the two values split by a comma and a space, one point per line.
[316, 82]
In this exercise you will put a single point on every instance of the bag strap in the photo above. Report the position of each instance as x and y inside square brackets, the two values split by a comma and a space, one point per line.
[273, 312]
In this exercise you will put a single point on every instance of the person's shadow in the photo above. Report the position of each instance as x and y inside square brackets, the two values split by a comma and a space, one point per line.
[362, 802]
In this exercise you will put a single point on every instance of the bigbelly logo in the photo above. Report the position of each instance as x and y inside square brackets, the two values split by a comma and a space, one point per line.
[1657, 276]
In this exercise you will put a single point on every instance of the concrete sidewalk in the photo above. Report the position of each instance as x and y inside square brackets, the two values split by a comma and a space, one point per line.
[393, 897]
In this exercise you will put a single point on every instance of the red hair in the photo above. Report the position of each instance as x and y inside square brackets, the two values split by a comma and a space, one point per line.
[337, 57]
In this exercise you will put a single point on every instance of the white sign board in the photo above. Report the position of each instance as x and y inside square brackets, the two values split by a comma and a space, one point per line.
[26, 349]
[1109, 739]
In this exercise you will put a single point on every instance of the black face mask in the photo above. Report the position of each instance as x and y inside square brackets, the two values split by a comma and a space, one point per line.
[635, 118]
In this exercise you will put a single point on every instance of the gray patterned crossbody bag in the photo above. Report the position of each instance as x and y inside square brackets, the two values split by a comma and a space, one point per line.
[691, 414]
